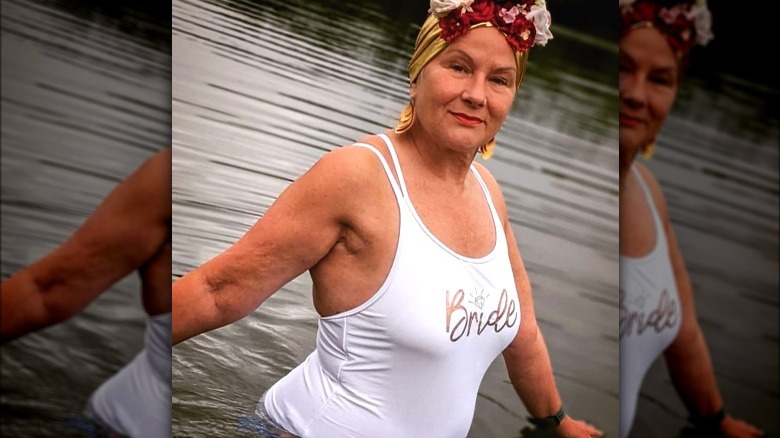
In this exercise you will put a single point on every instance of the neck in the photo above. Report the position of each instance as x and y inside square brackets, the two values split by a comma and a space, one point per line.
[624, 167]
[439, 160]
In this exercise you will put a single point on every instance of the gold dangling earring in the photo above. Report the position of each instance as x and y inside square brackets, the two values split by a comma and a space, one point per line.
[647, 151]
[406, 119]
[487, 149]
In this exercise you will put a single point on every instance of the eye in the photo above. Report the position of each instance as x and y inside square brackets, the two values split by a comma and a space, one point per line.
[457, 67]
[500, 80]
[664, 80]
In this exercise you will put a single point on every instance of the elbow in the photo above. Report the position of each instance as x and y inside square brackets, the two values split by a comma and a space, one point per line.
[686, 342]
[57, 299]
[31, 303]
[527, 334]
[223, 299]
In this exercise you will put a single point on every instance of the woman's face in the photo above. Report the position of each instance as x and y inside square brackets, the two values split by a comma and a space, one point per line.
[649, 77]
[464, 94]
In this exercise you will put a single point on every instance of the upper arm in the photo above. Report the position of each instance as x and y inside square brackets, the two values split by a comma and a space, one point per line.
[120, 235]
[127, 228]
[299, 229]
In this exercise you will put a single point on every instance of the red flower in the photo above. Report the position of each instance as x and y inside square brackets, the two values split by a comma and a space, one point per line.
[640, 12]
[454, 25]
[483, 10]
[520, 34]
[679, 32]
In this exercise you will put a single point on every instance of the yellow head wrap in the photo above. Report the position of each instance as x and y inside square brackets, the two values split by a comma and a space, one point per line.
[428, 46]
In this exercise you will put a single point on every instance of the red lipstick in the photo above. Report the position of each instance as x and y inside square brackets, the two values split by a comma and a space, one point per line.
[467, 119]
[629, 121]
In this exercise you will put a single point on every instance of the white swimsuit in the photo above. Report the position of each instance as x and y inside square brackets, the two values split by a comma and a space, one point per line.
[409, 361]
[136, 401]
[650, 314]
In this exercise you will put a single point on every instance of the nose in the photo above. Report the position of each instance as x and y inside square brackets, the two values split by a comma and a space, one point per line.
[632, 89]
[474, 92]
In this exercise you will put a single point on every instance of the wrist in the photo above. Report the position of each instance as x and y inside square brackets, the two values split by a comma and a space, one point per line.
[550, 420]
[708, 422]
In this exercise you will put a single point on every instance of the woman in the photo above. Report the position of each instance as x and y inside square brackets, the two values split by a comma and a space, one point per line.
[129, 231]
[657, 313]
[417, 277]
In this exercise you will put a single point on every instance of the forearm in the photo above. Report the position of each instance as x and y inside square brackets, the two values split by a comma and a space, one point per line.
[690, 368]
[530, 372]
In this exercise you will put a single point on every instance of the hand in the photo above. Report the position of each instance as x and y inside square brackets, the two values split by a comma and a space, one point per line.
[570, 427]
[731, 427]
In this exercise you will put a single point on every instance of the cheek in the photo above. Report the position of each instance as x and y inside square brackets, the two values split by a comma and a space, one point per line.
[660, 105]
[436, 90]
[502, 104]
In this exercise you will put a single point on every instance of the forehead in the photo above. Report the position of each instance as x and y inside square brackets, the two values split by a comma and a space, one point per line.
[648, 46]
[484, 44]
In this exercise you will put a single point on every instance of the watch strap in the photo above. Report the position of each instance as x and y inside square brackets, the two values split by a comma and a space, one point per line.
[552, 420]
[708, 422]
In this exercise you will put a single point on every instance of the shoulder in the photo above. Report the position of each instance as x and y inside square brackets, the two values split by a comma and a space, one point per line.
[141, 200]
[150, 184]
[345, 181]
[494, 189]
[161, 157]
[153, 175]
[347, 165]
[654, 187]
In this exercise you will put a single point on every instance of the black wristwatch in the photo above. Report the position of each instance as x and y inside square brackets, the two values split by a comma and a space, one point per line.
[553, 420]
[708, 422]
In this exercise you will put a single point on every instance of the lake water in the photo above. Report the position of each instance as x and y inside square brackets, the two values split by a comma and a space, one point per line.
[85, 100]
[261, 90]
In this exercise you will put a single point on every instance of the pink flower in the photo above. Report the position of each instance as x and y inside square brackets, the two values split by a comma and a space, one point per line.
[509, 15]
[669, 15]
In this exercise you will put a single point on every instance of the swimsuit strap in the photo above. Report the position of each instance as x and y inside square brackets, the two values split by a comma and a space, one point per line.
[396, 163]
[396, 189]
[493, 211]
[657, 223]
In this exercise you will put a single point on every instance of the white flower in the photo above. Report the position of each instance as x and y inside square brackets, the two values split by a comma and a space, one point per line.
[440, 8]
[702, 21]
[540, 17]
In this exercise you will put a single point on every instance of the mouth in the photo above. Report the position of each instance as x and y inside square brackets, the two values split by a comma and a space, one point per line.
[629, 121]
[467, 119]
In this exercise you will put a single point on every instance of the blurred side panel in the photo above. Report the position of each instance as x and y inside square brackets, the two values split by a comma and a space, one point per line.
[85, 101]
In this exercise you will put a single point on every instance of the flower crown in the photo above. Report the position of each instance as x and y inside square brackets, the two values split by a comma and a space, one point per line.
[684, 23]
[524, 22]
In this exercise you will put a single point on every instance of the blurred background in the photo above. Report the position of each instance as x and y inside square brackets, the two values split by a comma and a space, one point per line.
[717, 162]
[85, 100]
[261, 90]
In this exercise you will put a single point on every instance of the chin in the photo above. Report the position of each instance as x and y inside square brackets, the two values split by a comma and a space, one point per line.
[629, 142]
[465, 142]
